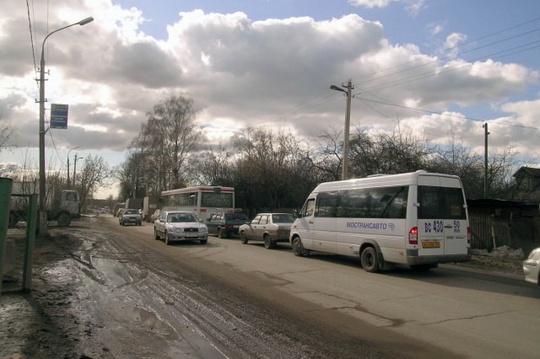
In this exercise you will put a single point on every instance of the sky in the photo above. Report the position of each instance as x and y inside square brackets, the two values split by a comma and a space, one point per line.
[436, 69]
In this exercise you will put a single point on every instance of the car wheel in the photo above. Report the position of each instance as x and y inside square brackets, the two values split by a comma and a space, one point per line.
[220, 233]
[203, 241]
[64, 219]
[243, 237]
[268, 242]
[167, 242]
[156, 234]
[369, 260]
[298, 249]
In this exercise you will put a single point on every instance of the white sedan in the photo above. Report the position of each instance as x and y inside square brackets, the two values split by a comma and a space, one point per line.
[531, 267]
[175, 226]
[267, 227]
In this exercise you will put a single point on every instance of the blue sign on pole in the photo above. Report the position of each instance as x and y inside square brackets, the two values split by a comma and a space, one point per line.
[59, 115]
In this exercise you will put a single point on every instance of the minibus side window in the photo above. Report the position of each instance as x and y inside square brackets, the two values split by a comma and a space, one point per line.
[390, 202]
[354, 203]
[384, 202]
[326, 204]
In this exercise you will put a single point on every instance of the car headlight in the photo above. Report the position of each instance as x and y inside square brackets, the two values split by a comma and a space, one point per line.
[203, 229]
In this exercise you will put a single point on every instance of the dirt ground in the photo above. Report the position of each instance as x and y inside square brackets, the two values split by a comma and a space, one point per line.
[67, 316]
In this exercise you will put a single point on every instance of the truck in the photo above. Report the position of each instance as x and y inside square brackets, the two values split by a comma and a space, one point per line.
[63, 205]
[117, 207]
[135, 203]
[150, 204]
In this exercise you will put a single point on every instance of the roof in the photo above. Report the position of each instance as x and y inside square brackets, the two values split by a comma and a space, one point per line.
[527, 171]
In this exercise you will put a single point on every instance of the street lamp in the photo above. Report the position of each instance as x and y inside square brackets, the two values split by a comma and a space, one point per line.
[42, 195]
[348, 87]
[74, 148]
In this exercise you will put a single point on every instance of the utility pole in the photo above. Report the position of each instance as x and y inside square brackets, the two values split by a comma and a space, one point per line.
[75, 158]
[486, 134]
[349, 87]
[68, 184]
[42, 211]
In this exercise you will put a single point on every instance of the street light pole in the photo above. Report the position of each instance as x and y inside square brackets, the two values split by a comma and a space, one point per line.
[42, 187]
[349, 87]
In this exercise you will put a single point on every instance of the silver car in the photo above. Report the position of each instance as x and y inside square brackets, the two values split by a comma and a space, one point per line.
[531, 267]
[130, 215]
[267, 227]
[175, 226]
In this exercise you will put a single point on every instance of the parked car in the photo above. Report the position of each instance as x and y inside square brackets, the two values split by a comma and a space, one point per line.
[130, 215]
[267, 227]
[225, 224]
[179, 226]
[531, 267]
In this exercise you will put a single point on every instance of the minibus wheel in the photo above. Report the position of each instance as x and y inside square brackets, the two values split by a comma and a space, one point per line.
[298, 249]
[369, 260]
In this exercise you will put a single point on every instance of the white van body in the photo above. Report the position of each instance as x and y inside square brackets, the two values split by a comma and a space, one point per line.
[417, 219]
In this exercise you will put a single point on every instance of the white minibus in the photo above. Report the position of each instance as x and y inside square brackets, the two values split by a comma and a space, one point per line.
[417, 219]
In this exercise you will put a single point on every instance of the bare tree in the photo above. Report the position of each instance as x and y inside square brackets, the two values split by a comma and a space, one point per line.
[6, 131]
[174, 122]
[327, 157]
[386, 153]
[165, 143]
[93, 175]
[211, 167]
[265, 167]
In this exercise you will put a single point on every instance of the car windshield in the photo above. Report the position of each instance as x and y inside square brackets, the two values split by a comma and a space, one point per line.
[131, 211]
[181, 217]
[282, 218]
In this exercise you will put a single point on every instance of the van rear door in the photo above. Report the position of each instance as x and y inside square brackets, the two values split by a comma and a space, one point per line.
[442, 217]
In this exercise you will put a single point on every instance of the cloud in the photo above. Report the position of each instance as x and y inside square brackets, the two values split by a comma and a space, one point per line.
[413, 7]
[451, 46]
[239, 72]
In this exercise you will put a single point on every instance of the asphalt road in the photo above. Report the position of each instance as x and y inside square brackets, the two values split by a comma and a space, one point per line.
[465, 312]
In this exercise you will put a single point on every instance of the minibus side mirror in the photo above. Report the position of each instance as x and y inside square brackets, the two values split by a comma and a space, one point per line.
[296, 214]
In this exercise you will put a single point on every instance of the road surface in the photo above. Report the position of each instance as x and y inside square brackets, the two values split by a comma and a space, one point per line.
[107, 291]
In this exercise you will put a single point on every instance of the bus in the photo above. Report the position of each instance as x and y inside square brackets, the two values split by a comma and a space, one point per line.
[202, 200]
[418, 219]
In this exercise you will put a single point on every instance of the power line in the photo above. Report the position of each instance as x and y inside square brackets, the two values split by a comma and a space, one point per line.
[31, 35]
[452, 48]
[414, 109]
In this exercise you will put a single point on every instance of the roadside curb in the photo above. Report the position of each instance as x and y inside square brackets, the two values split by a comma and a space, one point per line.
[472, 269]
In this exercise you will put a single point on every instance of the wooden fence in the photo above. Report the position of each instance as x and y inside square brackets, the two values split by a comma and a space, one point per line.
[503, 223]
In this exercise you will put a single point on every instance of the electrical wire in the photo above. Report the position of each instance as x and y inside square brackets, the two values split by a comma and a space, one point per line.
[31, 35]
[373, 78]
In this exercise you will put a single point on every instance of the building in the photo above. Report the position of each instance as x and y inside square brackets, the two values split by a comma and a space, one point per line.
[527, 186]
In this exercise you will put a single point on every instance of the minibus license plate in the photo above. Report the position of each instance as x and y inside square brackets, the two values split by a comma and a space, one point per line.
[431, 244]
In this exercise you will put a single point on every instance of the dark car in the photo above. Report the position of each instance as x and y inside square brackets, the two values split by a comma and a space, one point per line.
[225, 224]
